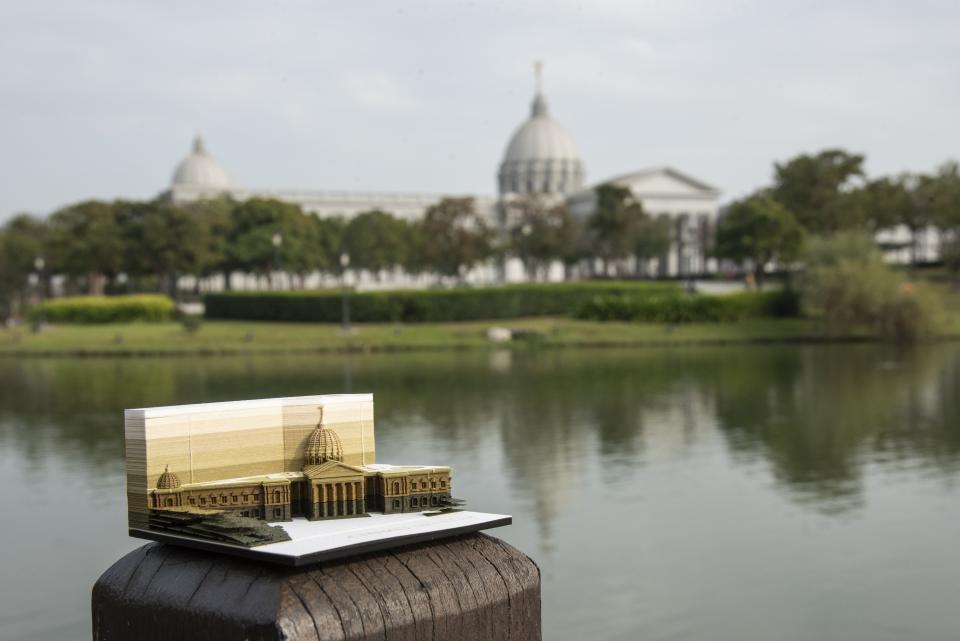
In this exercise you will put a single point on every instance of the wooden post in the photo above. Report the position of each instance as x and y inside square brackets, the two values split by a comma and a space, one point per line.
[469, 587]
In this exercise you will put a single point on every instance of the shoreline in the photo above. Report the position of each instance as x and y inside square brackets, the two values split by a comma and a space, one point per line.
[235, 338]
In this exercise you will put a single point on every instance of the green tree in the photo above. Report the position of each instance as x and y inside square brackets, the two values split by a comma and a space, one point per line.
[23, 239]
[87, 244]
[164, 241]
[614, 223]
[849, 286]
[214, 215]
[540, 234]
[758, 230]
[651, 239]
[820, 190]
[454, 237]
[943, 194]
[950, 255]
[376, 241]
[255, 223]
[328, 243]
[416, 261]
[883, 201]
[916, 201]
[574, 243]
[916, 211]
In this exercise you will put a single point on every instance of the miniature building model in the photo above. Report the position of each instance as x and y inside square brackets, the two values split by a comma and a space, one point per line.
[274, 459]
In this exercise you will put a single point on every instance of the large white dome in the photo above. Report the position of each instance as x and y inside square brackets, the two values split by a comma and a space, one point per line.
[199, 169]
[541, 157]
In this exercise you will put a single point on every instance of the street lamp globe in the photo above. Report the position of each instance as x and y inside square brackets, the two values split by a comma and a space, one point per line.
[39, 263]
[344, 260]
[277, 240]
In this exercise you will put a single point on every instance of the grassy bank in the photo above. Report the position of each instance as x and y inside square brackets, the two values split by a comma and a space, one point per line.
[239, 337]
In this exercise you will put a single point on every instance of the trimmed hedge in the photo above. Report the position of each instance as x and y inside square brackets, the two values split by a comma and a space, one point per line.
[425, 305]
[105, 309]
[691, 308]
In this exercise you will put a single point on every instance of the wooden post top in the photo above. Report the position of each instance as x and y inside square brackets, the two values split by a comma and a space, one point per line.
[469, 587]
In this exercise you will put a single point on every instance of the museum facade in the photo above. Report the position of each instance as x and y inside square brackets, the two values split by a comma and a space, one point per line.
[325, 488]
[540, 159]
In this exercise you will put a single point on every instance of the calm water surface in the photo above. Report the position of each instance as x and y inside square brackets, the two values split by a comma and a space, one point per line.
[736, 493]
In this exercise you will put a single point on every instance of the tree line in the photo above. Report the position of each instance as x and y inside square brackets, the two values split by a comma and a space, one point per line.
[97, 246]
[826, 193]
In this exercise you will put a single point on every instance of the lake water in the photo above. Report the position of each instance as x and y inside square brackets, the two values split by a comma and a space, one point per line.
[730, 493]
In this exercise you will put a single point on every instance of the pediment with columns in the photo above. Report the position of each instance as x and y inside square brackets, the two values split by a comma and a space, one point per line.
[665, 181]
[330, 470]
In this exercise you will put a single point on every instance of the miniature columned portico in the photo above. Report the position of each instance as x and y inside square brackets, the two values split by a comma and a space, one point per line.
[336, 499]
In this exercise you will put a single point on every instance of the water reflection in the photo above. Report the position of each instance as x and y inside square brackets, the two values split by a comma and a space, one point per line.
[817, 416]
[814, 415]
[628, 445]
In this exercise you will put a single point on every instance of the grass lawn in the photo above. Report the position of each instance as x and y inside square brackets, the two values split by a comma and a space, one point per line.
[223, 337]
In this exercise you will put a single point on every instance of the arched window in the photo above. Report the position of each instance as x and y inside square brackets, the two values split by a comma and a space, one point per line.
[276, 496]
[169, 502]
[396, 488]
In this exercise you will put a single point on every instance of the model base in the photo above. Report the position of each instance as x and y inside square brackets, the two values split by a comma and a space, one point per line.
[314, 541]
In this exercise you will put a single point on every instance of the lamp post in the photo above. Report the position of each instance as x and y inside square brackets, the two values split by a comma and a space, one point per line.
[526, 231]
[277, 241]
[345, 294]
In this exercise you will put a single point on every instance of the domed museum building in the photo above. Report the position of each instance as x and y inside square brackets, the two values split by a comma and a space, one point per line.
[540, 159]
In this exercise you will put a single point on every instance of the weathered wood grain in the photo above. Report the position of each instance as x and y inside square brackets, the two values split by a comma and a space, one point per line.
[466, 588]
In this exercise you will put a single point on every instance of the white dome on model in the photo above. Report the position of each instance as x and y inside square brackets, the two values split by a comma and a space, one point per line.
[199, 169]
[541, 157]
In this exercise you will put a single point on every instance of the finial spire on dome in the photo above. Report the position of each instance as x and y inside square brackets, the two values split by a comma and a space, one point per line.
[539, 107]
[198, 146]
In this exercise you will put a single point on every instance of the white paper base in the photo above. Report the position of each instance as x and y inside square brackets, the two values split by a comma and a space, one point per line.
[313, 541]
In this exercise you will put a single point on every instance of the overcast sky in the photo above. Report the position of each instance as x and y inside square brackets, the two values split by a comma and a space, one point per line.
[101, 99]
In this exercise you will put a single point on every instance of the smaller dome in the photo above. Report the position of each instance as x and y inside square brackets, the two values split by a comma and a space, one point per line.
[168, 480]
[199, 169]
[323, 445]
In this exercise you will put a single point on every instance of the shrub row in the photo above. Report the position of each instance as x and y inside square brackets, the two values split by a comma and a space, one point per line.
[425, 305]
[105, 309]
[691, 308]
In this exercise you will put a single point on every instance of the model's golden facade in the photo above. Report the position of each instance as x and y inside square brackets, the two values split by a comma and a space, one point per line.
[273, 459]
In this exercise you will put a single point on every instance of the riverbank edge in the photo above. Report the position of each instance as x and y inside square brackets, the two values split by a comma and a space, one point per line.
[225, 338]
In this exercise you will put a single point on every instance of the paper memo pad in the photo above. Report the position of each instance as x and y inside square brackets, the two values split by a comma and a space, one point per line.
[274, 478]
[211, 441]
